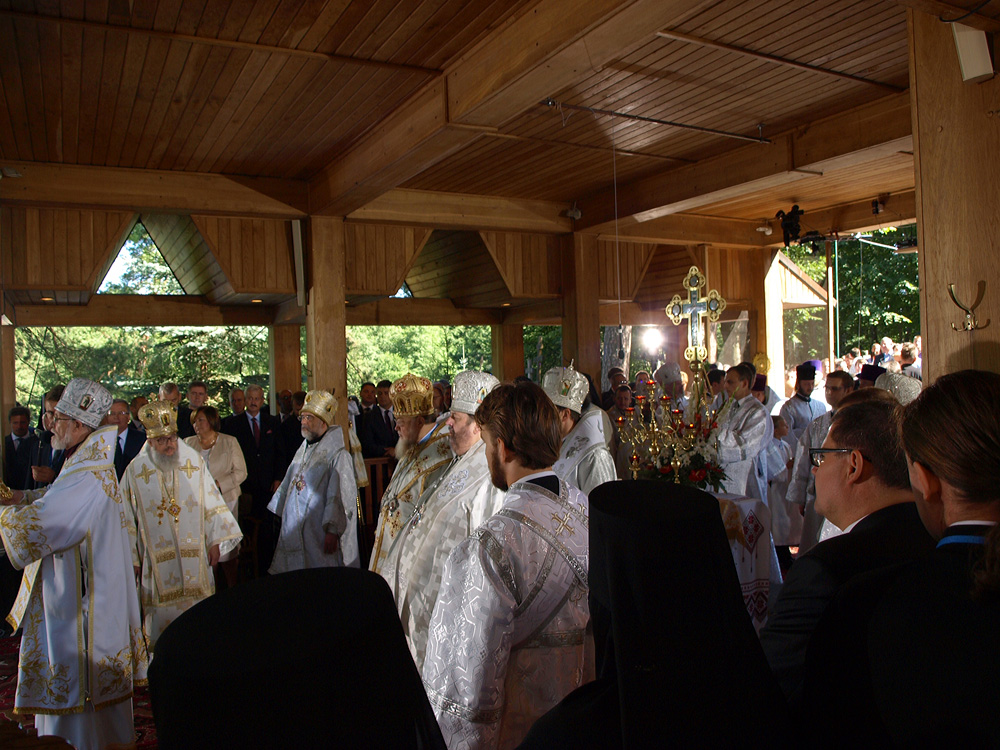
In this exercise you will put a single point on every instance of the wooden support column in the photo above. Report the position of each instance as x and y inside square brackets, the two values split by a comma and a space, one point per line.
[7, 393]
[581, 333]
[285, 355]
[831, 334]
[508, 351]
[325, 313]
[957, 162]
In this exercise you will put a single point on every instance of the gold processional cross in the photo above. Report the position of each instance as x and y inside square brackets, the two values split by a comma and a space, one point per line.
[695, 310]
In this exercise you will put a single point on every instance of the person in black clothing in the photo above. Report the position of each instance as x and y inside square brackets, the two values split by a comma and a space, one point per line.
[378, 431]
[19, 448]
[910, 656]
[46, 464]
[170, 393]
[129, 440]
[862, 487]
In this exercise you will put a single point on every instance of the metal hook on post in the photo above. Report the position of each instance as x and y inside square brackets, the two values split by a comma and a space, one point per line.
[971, 322]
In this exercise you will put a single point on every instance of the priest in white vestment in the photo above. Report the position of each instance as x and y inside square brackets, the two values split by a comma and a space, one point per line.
[743, 429]
[801, 409]
[507, 638]
[82, 650]
[178, 521]
[584, 459]
[317, 500]
[423, 452]
[450, 509]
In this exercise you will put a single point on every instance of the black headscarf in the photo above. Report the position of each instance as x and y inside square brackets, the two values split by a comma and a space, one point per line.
[677, 656]
[311, 658]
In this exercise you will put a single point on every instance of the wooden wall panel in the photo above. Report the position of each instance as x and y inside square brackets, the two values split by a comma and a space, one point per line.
[185, 251]
[380, 256]
[625, 260]
[666, 270]
[528, 263]
[47, 249]
[457, 266]
[255, 254]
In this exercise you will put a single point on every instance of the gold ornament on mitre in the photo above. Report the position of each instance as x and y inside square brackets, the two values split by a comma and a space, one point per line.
[566, 387]
[322, 405]
[762, 363]
[412, 396]
[159, 418]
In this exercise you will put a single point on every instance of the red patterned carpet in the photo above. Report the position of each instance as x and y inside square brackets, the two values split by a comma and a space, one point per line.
[145, 730]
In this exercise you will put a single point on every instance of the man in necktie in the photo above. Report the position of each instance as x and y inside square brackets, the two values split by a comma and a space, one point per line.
[129, 441]
[18, 449]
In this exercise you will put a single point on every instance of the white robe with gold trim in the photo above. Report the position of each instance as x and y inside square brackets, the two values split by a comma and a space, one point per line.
[82, 647]
[584, 459]
[174, 553]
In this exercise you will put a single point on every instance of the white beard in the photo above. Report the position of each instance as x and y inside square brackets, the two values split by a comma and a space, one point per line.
[166, 463]
[403, 447]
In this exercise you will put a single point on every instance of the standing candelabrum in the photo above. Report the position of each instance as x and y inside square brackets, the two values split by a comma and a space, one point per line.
[660, 435]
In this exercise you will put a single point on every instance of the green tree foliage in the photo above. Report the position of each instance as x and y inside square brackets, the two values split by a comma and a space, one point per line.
[145, 271]
[878, 294]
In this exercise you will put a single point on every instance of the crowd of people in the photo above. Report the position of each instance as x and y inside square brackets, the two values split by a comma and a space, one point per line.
[510, 602]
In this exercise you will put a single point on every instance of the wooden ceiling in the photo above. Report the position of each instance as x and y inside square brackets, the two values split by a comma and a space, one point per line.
[457, 118]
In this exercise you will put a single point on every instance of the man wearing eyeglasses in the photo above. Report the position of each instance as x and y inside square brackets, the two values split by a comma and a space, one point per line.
[862, 486]
[129, 441]
[801, 491]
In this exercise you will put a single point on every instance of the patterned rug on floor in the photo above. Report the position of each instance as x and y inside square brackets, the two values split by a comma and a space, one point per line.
[145, 730]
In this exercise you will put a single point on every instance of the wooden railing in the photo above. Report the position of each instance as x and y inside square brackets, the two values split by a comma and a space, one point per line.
[379, 473]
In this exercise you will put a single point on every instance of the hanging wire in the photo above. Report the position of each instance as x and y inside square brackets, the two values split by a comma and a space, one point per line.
[618, 273]
[971, 12]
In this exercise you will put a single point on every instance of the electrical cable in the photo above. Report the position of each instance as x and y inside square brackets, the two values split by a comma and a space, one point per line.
[972, 12]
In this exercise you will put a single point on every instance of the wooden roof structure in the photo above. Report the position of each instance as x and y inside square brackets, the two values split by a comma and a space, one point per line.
[451, 138]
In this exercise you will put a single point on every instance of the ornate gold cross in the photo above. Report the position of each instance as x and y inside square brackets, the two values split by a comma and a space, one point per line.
[563, 524]
[188, 468]
[694, 310]
[146, 473]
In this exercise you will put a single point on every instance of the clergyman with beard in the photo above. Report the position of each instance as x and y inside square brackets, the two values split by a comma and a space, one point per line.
[177, 520]
[507, 638]
[318, 498]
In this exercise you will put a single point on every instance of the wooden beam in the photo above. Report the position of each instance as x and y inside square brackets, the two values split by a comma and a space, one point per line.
[581, 321]
[325, 319]
[143, 310]
[537, 313]
[857, 136]
[550, 46]
[285, 360]
[508, 351]
[899, 209]
[396, 311]
[461, 211]
[154, 191]
[682, 229]
[682, 37]
[946, 11]
[8, 393]
[289, 313]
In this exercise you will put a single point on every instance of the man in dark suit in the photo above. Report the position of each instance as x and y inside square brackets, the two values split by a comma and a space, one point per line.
[46, 461]
[378, 431]
[259, 436]
[19, 448]
[130, 440]
[170, 393]
[862, 486]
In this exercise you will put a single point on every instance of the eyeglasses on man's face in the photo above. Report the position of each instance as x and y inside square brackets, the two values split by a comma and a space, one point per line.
[818, 455]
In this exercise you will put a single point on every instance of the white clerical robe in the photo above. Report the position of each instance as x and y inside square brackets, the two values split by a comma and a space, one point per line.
[318, 496]
[421, 465]
[799, 413]
[584, 459]
[786, 521]
[741, 437]
[802, 487]
[507, 638]
[82, 649]
[451, 508]
[175, 518]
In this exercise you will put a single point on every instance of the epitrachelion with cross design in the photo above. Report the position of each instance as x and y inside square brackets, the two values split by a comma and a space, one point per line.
[695, 309]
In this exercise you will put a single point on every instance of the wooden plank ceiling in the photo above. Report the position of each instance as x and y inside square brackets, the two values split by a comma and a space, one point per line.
[278, 96]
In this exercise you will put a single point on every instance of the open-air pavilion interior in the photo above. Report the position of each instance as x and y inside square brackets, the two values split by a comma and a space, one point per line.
[532, 161]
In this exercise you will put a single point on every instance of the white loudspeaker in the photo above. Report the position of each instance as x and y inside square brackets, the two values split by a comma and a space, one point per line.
[973, 53]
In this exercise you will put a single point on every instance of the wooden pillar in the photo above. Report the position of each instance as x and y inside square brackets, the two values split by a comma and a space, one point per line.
[831, 335]
[285, 355]
[581, 330]
[508, 351]
[8, 396]
[956, 145]
[326, 317]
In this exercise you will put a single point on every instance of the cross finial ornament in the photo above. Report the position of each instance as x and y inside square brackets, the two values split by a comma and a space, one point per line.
[188, 468]
[694, 310]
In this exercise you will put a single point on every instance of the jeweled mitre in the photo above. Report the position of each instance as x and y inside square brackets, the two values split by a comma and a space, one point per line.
[412, 396]
[566, 387]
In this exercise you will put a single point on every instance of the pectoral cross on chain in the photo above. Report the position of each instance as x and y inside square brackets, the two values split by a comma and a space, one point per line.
[188, 468]
[694, 310]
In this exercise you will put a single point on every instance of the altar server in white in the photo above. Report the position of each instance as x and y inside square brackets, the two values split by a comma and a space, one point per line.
[743, 429]
[178, 522]
[584, 460]
[451, 508]
[82, 650]
[318, 498]
[507, 636]
[801, 409]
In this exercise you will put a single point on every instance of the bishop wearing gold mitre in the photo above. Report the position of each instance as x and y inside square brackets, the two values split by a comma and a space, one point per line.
[423, 452]
[178, 522]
